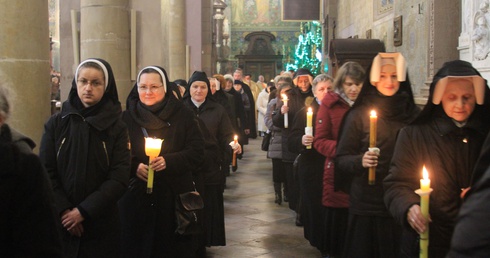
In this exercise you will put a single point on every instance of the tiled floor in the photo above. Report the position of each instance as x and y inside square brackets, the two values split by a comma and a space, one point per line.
[255, 225]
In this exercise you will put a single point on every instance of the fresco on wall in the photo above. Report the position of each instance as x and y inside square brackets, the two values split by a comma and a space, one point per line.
[245, 16]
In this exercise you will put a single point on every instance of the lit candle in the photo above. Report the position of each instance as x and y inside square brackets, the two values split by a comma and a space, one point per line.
[153, 147]
[373, 119]
[309, 124]
[309, 118]
[233, 160]
[424, 193]
[285, 101]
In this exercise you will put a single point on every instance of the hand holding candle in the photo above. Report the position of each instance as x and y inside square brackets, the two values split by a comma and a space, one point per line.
[309, 124]
[153, 147]
[233, 161]
[424, 193]
[285, 101]
[373, 119]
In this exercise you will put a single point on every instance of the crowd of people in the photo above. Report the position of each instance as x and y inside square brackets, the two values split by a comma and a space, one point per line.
[95, 191]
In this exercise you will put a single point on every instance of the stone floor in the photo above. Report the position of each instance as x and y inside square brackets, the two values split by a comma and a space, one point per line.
[255, 225]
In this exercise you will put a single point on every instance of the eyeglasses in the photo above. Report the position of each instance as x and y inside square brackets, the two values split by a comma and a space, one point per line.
[84, 82]
[144, 88]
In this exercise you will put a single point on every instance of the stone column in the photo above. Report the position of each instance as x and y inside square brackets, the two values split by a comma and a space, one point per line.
[173, 40]
[104, 33]
[219, 7]
[24, 63]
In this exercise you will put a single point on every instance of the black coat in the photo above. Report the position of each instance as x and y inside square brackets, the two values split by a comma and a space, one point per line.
[470, 236]
[86, 153]
[448, 152]
[310, 174]
[148, 219]
[353, 142]
[218, 133]
[28, 221]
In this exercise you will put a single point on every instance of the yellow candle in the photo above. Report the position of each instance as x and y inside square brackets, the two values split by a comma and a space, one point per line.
[424, 207]
[373, 119]
[309, 124]
[285, 101]
[233, 160]
[309, 117]
[153, 147]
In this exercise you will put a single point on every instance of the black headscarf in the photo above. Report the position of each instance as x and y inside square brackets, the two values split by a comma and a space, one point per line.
[195, 77]
[107, 110]
[151, 117]
[454, 68]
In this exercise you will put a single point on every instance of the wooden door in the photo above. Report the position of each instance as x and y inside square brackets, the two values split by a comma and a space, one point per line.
[267, 69]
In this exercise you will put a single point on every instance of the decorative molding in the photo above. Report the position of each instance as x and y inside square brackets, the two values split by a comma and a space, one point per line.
[398, 31]
[431, 39]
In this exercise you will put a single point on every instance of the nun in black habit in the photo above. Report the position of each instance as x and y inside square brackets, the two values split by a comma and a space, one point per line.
[372, 232]
[85, 149]
[148, 220]
[446, 138]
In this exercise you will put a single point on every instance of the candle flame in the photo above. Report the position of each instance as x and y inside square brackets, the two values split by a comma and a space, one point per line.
[284, 97]
[310, 110]
[235, 138]
[425, 173]
[373, 113]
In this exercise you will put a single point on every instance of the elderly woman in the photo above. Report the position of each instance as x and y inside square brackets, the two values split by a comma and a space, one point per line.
[347, 86]
[28, 221]
[446, 138]
[218, 132]
[86, 153]
[148, 220]
[310, 163]
[372, 232]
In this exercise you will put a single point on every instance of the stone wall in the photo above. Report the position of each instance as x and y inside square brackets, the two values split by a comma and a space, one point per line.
[376, 17]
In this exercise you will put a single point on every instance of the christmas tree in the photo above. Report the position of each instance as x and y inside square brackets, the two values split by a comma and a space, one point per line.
[307, 52]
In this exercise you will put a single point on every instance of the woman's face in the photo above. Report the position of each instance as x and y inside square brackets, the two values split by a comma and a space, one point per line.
[212, 85]
[459, 99]
[150, 89]
[229, 84]
[237, 87]
[303, 83]
[322, 88]
[351, 88]
[388, 84]
[90, 86]
[198, 91]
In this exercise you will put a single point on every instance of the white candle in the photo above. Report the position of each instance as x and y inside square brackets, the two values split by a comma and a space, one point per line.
[285, 101]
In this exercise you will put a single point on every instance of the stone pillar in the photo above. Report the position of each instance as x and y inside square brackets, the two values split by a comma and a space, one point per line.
[173, 38]
[104, 33]
[443, 39]
[24, 63]
[219, 7]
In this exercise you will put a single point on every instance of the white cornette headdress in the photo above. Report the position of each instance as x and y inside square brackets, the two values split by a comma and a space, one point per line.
[164, 79]
[478, 86]
[395, 59]
[106, 74]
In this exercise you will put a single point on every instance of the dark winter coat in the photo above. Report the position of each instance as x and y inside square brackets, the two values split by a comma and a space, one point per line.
[295, 103]
[28, 220]
[329, 118]
[241, 123]
[23, 143]
[394, 112]
[310, 173]
[470, 236]
[275, 145]
[86, 154]
[219, 133]
[149, 219]
[449, 153]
